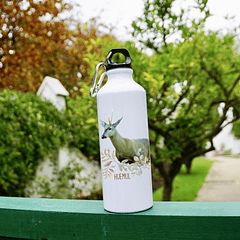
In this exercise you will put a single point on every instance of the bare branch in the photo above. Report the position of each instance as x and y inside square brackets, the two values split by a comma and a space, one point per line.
[192, 100]
[232, 72]
[234, 85]
[158, 130]
[215, 79]
[177, 103]
[218, 128]
[233, 120]
[199, 152]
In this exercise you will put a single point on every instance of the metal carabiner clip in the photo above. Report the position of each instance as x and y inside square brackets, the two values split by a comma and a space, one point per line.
[94, 89]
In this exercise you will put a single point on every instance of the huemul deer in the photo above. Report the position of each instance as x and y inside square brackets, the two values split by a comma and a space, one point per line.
[125, 148]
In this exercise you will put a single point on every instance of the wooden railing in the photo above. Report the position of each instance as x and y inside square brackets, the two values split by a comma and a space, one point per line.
[27, 218]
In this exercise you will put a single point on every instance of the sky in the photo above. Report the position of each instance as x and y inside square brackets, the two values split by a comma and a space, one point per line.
[121, 13]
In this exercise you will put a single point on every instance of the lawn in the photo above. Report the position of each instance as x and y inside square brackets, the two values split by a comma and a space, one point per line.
[186, 186]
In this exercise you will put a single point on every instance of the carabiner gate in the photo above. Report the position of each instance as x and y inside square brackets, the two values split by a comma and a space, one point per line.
[94, 89]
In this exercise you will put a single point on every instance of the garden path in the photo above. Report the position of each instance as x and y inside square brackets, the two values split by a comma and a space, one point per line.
[222, 183]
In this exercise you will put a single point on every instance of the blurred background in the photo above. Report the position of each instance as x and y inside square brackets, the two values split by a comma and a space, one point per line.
[185, 53]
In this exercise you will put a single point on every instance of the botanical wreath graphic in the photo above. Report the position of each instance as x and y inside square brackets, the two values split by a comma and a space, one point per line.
[110, 162]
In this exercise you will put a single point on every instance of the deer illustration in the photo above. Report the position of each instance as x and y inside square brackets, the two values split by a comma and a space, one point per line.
[125, 148]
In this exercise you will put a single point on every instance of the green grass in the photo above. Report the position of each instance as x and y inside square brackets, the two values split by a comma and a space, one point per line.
[186, 186]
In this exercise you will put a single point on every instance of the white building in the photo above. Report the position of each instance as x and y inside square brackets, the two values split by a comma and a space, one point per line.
[225, 141]
[51, 89]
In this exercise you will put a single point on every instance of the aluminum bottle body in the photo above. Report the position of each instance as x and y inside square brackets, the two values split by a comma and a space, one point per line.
[124, 143]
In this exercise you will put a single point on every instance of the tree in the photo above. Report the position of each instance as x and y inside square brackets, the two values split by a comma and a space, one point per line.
[187, 82]
[36, 42]
[165, 20]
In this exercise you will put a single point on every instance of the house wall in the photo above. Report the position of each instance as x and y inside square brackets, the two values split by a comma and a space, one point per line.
[224, 141]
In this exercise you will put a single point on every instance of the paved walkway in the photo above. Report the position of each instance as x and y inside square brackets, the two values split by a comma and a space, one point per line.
[222, 183]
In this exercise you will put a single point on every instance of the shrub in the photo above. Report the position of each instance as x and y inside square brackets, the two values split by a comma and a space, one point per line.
[30, 130]
[83, 124]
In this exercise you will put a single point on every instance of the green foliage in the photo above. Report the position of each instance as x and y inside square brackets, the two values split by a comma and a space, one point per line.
[30, 130]
[83, 124]
[106, 43]
[162, 22]
[187, 186]
[236, 129]
[228, 152]
[185, 87]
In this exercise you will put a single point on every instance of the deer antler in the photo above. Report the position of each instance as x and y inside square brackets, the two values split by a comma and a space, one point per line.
[110, 119]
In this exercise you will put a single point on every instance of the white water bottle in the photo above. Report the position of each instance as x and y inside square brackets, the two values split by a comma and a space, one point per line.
[123, 137]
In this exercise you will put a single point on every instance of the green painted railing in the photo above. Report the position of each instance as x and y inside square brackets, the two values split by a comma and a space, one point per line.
[26, 218]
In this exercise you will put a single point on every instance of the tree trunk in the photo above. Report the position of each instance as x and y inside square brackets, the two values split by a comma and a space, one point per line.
[188, 165]
[167, 191]
[168, 171]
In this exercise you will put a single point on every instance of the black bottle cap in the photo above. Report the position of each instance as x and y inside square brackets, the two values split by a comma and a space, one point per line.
[112, 65]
